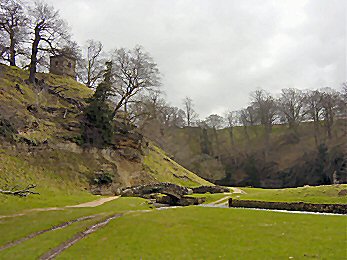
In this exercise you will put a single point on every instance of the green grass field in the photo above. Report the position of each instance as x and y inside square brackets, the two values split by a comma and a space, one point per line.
[318, 194]
[183, 233]
[212, 233]
[21, 226]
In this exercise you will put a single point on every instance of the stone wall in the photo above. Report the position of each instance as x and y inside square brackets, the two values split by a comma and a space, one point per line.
[293, 206]
[210, 189]
[62, 65]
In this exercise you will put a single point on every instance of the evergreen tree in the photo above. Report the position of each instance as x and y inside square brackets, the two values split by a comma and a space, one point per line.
[97, 127]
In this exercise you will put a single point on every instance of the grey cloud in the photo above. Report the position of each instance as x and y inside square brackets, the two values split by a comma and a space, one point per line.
[216, 52]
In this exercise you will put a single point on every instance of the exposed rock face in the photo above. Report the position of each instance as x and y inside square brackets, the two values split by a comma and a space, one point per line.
[210, 189]
[295, 206]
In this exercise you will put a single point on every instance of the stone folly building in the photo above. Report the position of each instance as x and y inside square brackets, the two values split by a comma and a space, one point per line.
[63, 65]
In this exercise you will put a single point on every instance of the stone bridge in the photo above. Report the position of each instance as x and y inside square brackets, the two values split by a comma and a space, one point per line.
[174, 191]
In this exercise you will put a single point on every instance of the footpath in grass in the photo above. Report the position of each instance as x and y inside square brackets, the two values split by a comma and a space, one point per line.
[14, 204]
[212, 233]
[21, 226]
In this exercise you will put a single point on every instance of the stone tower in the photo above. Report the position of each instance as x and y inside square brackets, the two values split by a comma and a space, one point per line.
[63, 65]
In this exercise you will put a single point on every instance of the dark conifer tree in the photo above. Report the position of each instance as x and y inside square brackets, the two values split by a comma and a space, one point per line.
[97, 127]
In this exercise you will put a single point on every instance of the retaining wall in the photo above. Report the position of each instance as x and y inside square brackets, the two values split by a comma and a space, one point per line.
[294, 206]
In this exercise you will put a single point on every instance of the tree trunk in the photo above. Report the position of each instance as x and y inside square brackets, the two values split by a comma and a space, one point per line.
[316, 128]
[246, 132]
[231, 134]
[267, 133]
[33, 58]
[329, 123]
[12, 49]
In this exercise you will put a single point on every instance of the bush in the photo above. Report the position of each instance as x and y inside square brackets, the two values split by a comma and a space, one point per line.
[7, 130]
[102, 178]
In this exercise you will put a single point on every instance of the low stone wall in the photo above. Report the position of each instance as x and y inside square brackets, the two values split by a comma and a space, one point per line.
[184, 201]
[210, 189]
[294, 206]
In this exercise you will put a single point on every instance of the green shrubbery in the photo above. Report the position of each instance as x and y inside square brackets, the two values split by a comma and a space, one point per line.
[7, 130]
[97, 127]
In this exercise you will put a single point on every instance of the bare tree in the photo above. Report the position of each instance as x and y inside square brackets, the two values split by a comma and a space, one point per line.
[265, 107]
[190, 114]
[291, 104]
[134, 72]
[13, 22]
[174, 116]
[71, 49]
[330, 102]
[49, 32]
[344, 91]
[231, 118]
[146, 108]
[247, 117]
[313, 107]
[215, 121]
[91, 67]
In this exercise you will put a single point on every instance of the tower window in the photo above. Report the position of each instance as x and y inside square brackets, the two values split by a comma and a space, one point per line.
[56, 63]
[69, 65]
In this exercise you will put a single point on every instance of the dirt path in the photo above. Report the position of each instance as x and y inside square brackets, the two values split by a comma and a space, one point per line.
[56, 251]
[94, 203]
[77, 237]
[35, 234]
[90, 204]
[238, 191]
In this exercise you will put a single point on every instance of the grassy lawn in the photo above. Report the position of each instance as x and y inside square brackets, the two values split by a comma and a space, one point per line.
[212, 233]
[21, 226]
[181, 233]
[17, 227]
[319, 194]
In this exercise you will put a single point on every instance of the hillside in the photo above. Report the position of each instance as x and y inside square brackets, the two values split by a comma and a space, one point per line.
[293, 159]
[39, 133]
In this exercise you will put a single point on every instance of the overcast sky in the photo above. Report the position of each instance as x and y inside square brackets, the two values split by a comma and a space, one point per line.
[217, 52]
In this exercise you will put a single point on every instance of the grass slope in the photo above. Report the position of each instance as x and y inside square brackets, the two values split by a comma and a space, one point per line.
[40, 125]
[164, 169]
